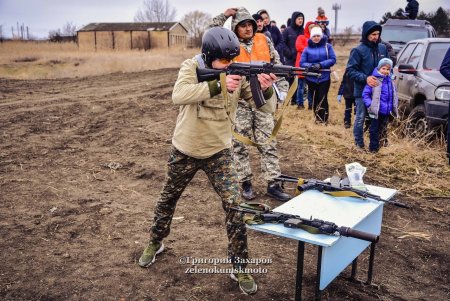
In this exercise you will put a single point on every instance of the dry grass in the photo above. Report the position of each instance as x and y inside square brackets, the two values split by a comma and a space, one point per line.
[35, 60]
[415, 167]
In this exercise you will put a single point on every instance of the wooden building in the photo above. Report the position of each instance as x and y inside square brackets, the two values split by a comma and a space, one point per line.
[126, 36]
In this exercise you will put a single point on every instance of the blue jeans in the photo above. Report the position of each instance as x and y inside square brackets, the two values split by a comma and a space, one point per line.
[358, 128]
[300, 90]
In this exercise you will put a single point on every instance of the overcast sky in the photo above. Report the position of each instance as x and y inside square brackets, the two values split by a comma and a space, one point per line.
[41, 16]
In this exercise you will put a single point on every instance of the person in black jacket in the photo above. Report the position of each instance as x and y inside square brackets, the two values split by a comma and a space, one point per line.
[275, 33]
[346, 89]
[260, 26]
[411, 9]
[390, 51]
[289, 38]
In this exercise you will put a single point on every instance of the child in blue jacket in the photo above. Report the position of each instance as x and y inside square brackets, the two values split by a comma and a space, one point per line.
[380, 101]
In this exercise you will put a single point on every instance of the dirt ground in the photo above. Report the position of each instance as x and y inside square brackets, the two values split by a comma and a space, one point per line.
[82, 162]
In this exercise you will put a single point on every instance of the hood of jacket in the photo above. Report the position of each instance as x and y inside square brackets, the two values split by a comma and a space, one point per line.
[370, 26]
[295, 15]
[306, 30]
[242, 15]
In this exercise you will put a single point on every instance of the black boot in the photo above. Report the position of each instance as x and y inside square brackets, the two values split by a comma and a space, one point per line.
[247, 191]
[275, 190]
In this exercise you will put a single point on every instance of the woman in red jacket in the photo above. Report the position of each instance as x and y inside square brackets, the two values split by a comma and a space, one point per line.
[300, 44]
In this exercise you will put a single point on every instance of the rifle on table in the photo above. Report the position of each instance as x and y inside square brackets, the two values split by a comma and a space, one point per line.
[251, 71]
[335, 186]
[311, 225]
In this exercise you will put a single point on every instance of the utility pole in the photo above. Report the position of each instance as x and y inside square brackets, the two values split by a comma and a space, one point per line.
[336, 7]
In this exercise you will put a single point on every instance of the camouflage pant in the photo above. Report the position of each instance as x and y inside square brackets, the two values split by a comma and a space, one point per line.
[221, 172]
[257, 126]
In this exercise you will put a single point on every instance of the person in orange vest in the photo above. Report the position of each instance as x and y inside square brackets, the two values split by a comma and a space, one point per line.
[250, 122]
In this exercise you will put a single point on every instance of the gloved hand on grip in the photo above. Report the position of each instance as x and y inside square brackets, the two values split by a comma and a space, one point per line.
[315, 67]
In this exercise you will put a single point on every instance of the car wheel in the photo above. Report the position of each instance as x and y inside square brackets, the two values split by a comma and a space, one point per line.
[416, 123]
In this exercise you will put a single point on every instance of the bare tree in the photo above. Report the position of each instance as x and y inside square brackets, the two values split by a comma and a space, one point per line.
[69, 29]
[156, 11]
[346, 36]
[67, 33]
[1, 33]
[55, 35]
[196, 23]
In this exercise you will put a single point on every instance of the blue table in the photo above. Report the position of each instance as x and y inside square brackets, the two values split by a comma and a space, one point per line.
[335, 253]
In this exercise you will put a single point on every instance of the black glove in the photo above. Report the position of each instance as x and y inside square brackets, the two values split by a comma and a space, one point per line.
[315, 67]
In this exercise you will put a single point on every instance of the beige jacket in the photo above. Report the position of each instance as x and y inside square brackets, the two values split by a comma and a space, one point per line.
[203, 126]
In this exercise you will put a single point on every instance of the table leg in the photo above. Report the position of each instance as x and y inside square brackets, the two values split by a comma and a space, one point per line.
[371, 259]
[318, 295]
[299, 279]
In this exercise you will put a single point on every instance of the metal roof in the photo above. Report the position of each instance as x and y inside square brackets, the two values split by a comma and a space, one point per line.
[134, 26]
[406, 22]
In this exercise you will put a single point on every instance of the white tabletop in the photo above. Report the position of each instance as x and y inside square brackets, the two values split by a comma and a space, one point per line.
[343, 211]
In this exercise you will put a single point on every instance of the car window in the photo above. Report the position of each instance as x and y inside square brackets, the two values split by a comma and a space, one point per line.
[416, 55]
[435, 55]
[402, 35]
[406, 53]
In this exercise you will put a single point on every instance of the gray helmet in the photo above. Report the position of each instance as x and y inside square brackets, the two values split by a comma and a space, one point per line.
[219, 43]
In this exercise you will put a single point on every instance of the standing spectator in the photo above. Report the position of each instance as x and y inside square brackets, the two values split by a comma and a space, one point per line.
[260, 26]
[381, 101]
[275, 33]
[346, 89]
[282, 28]
[362, 60]
[323, 22]
[202, 141]
[250, 122]
[411, 9]
[300, 44]
[289, 38]
[319, 56]
[445, 71]
[390, 51]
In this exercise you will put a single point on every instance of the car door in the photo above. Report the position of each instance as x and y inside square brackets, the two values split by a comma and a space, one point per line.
[411, 81]
[402, 78]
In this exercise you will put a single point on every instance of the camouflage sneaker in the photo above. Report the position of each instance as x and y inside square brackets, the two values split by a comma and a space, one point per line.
[149, 255]
[246, 283]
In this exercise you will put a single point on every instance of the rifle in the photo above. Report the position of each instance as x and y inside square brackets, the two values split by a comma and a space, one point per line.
[250, 71]
[307, 184]
[310, 225]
